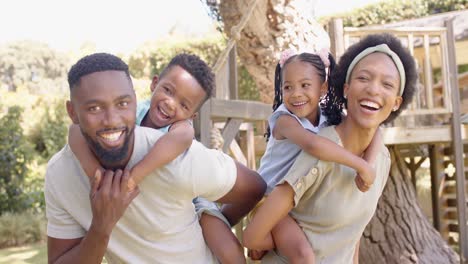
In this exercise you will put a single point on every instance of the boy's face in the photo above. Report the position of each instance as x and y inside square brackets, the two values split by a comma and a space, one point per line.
[176, 96]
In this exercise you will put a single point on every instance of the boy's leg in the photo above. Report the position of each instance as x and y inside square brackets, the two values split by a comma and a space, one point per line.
[221, 240]
[291, 242]
[217, 232]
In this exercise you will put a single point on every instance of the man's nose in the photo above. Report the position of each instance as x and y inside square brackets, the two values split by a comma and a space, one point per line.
[111, 118]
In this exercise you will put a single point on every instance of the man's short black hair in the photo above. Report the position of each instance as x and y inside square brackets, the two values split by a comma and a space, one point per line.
[96, 62]
[195, 67]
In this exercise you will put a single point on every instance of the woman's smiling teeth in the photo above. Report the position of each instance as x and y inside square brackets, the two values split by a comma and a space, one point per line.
[370, 105]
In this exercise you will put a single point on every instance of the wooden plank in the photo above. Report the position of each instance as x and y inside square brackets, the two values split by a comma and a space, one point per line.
[457, 142]
[237, 153]
[247, 110]
[230, 130]
[428, 83]
[399, 31]
[250, 147]
[205, 124]
[233, 89]
[436, 170]
[421, 135]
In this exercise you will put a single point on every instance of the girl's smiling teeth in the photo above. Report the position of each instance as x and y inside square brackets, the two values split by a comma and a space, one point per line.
[298, 104]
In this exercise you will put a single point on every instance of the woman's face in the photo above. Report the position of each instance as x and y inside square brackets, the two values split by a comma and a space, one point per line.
[373, 90]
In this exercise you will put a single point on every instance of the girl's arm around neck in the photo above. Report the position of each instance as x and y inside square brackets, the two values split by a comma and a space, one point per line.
[320, 147]
[276, 206]
[166, 149]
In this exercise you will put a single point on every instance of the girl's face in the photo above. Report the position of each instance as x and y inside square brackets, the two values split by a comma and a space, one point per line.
[302, 89]
[373, 90]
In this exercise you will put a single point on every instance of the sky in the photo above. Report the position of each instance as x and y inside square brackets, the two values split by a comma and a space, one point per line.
[117, 26]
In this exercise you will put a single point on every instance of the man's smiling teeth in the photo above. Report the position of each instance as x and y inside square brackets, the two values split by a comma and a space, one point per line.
[299, 103]
[370, 104]
[111, 136]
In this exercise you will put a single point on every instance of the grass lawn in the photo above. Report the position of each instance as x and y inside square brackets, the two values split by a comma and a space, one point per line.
[34, 253]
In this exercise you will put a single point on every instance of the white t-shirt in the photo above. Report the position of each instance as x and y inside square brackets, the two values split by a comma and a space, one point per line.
[160, 225]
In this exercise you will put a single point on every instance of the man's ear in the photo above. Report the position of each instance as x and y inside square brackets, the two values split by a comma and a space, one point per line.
[72, 113]
[154, 82]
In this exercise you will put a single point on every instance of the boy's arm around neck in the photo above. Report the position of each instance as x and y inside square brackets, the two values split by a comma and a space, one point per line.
[166, 149]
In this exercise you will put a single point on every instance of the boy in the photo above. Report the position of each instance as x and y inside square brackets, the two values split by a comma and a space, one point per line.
[177, 94]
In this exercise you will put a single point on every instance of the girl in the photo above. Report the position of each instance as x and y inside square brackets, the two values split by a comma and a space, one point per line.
[300, 80]
[375, 79]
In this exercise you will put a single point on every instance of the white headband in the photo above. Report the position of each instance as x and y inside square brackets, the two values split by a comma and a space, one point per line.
[384, 49]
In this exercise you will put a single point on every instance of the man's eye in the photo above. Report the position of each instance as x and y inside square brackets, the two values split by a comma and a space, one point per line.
[94, 108]
[123, 104]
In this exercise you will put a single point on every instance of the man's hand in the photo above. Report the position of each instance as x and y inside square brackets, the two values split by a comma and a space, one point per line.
[110, 198]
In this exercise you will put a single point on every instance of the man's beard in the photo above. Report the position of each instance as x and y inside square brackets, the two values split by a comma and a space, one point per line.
[111, 159]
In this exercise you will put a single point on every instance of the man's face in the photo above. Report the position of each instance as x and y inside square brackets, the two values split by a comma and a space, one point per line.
[103, 104]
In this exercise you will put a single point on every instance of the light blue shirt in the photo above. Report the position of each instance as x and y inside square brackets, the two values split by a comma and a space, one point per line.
[142, 110]
[280, 154]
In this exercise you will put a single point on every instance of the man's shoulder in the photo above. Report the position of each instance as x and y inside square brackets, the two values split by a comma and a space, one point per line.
[60, 159]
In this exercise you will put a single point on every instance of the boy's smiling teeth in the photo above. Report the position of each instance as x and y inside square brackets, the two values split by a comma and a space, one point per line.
[164, 113]
[111, 136]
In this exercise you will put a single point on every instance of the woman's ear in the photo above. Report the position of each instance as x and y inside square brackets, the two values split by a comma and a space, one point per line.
[397, 103]
[345, 90]
[194, 115]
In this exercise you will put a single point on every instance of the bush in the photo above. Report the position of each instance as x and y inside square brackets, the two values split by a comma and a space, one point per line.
[21, 228]
[14, 158]
[50, 134]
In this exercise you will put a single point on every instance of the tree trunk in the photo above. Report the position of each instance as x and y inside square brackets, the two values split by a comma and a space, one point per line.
[399, 232]
[274, 26]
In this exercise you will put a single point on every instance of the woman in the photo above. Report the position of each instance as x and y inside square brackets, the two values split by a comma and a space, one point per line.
[374, 81]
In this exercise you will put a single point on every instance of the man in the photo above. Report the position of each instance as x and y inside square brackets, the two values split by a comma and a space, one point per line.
[154, 224]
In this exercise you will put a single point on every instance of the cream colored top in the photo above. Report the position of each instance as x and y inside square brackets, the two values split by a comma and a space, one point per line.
[331, 210]
[160, 225]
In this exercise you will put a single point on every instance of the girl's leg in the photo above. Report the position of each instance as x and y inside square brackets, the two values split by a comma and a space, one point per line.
[291, 242]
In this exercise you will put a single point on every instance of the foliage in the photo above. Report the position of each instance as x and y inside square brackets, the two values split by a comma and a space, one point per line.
[14, 158]
[152, 58]
[50, 133]
[21, 228]
[33, 66]
[396, 10]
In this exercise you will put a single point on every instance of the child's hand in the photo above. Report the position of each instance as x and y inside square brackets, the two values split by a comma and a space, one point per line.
[365, 178]
[256, 254]
[131, 184]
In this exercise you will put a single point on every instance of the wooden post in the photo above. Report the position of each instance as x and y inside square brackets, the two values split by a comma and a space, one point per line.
[457, 142]
[434, 157]
[335, 28]
[204, 123]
